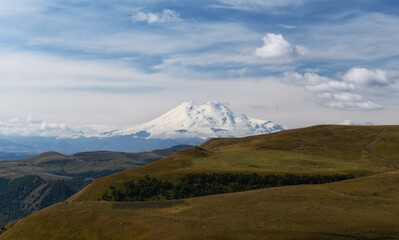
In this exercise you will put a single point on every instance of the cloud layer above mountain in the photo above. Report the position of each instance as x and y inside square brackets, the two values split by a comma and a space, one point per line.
[32, 126]
[346, 93]
[296, 62]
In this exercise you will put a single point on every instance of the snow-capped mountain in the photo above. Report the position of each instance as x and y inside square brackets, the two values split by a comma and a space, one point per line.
[190, 120]
[188, 123]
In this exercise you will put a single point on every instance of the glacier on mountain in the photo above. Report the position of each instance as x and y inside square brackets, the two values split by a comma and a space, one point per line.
[210, 120]
[188, 123]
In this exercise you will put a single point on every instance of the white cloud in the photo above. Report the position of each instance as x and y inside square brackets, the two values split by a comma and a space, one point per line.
[330, 86]
[33, 126]
[21, 7]
[275, 51]
[166, 16]
[149, 41]
[348, 101]
[41, 72]
[341, 94]
[277, 48]
[287, 26]
[36, 127]
[355, 123]
[369, 36]
[256, 4]
[367, 78]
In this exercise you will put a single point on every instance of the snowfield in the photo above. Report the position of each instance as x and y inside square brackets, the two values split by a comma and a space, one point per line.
[190, 120]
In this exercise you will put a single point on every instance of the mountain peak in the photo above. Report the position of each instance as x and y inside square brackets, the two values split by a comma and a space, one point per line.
[212, 119]
[214, 104]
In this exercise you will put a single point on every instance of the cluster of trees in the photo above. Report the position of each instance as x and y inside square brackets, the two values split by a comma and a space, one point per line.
[2, 229]
[146, 188]
[13, 193]
[195, 184]
[21, 196]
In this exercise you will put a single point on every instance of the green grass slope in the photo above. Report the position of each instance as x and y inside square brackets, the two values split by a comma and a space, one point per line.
[361, 208]
[56, 166]
[31, 184]
[325, 149]
[366, 207]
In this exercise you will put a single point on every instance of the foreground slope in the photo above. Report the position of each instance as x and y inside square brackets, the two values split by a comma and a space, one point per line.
[326, 149]
[34, 183]
[366, 207]
[361, 208]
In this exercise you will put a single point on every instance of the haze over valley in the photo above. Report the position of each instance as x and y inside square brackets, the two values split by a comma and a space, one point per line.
[216, 119]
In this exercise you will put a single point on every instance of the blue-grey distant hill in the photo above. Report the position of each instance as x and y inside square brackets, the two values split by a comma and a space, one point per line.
[30, 184]
[19, 147]
[188, 123]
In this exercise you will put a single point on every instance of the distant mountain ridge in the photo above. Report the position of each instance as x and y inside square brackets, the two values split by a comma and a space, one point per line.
[33, 183]
[210, 120]
[362, 208]
[188, 123]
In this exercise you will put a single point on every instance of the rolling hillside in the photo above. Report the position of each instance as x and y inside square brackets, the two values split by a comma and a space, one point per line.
[366, 207]
[40, 181]
[362, 208]
[314, 150]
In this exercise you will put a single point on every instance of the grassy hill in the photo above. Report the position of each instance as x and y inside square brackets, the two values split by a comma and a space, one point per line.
[34, 183]
[366, 207]
[57, 166]
[361, 208]
[325, 149]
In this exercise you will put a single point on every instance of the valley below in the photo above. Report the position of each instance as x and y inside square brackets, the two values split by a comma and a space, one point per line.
[363, 207]
[34, 183]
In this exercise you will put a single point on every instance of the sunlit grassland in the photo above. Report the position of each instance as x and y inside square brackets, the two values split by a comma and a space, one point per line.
[362, 208]
[366, 207]
[315, 150]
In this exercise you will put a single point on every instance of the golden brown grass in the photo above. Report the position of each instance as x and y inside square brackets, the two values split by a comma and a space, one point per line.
[362, 208]
[334, 149]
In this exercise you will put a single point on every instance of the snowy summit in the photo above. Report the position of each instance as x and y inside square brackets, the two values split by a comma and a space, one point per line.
[190, 120]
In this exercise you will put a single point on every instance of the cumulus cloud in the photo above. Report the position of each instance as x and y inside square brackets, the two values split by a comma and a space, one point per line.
[355, 123]
[32, 126]
[277, 48]
[35, 127]
[330, 86]
[166, 16]
[347, 93]
[365, 77]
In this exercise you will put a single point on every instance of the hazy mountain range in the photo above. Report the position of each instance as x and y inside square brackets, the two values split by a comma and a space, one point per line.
[33, 183]
[188, 123]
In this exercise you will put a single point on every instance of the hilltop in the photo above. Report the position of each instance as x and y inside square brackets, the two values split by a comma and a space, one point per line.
[366, 207]
[362, 208]
[326, 149]
[34, 183]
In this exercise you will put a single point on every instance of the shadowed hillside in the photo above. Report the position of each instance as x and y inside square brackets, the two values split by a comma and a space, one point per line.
[362, 208]
[326, 149]
[40, 181]
[366, 207]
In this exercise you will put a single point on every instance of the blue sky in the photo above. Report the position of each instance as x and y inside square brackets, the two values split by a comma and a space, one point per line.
[119, 62]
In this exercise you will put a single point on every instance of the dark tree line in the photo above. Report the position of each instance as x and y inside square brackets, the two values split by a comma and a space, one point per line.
[201, 184]
[13, 193]
[21, 196]
[2, 229]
